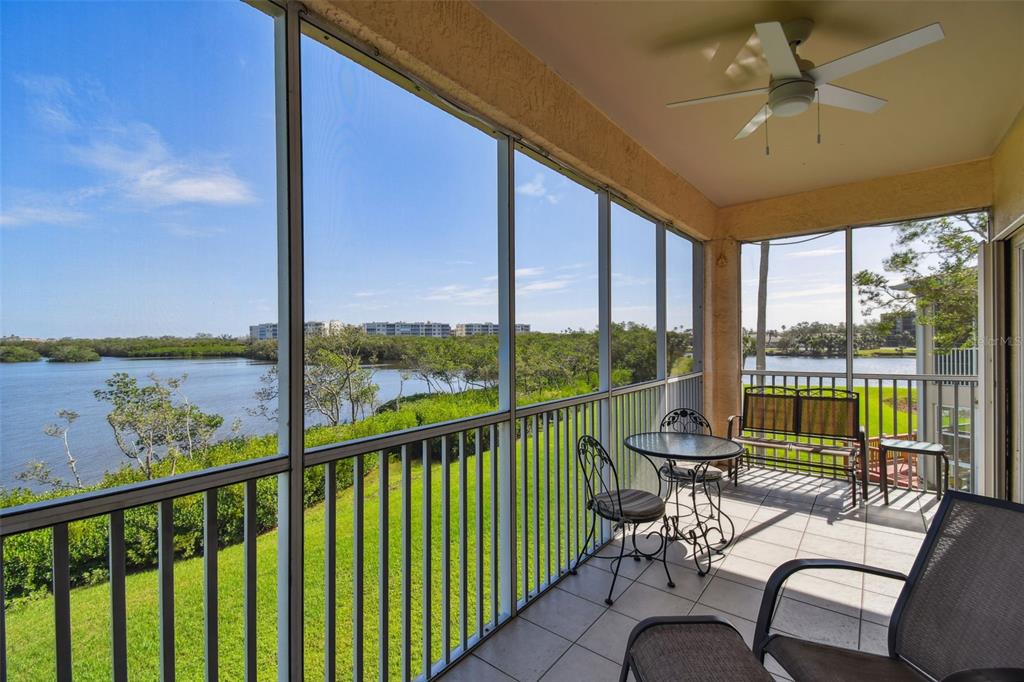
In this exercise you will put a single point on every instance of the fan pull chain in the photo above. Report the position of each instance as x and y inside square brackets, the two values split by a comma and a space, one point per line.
[767, 149]
[817, 99]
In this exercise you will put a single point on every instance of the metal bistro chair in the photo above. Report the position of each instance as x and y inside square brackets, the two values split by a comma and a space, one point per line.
[679, 474]
[959, 616]
[685, 420]
[623, 507]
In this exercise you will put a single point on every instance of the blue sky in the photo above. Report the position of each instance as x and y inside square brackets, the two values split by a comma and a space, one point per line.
[138, 192]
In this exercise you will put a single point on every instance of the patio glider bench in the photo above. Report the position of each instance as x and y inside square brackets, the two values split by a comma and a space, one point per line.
[815, 429]
[958, 618]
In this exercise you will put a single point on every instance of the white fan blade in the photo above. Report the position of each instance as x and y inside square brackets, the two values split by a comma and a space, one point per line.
[717, 98]
[777, 51]
[760, 117]
[851, 63]
[835, 96]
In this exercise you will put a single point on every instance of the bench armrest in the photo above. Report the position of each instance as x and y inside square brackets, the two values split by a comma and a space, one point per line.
[739, 425]
[783, 572]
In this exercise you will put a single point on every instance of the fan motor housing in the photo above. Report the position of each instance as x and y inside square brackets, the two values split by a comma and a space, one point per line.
[791, 97]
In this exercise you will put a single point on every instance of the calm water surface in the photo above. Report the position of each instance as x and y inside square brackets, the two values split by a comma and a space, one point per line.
[31, 393]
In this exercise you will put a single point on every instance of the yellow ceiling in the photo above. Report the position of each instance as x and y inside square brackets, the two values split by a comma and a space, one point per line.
[948, 102]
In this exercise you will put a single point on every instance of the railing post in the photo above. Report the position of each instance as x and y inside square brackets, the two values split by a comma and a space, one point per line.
[604, 298]
[506, 473]
[290, 276]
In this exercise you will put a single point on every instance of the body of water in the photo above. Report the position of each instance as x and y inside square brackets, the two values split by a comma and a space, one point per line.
[31, 394]
[784, 363]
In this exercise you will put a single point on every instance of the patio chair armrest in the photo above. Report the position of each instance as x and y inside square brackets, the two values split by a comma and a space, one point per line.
[783, 573]
[986, 675]
[654, 621]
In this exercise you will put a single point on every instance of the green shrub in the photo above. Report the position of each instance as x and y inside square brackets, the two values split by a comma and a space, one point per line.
[12, 353]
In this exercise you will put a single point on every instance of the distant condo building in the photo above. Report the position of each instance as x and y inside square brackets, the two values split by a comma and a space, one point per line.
[439, 330]
[484, 329]
[267, 331]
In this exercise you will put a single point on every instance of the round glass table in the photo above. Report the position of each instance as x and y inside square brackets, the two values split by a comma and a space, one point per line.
[690, 456]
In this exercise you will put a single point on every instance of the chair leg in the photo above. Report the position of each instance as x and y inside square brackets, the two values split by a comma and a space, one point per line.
[615, 575]
[586, 544]
[664, 551]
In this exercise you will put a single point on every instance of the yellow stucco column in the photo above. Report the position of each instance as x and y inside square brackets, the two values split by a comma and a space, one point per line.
[722, 327]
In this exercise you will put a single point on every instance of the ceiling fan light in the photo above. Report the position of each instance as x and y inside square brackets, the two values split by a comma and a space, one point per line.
[791, 98]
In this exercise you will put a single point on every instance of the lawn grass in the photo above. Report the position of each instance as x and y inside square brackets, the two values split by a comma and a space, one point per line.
[551, 517]
[30, 622]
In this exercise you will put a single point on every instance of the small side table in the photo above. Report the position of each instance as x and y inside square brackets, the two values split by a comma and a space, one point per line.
[913, 447]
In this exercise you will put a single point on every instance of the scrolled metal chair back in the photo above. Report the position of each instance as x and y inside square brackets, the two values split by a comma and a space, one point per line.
[599, 472]
[685, 420]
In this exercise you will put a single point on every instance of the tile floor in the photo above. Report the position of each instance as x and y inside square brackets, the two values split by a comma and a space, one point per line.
[569, 633]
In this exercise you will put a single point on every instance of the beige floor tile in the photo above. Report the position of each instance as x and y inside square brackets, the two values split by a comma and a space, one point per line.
[838, 529]
[877, 608]
[782, 517]
[884, 558]
[854, 578]
[874, 638]
[816, 624]
[735, 598]
[641, 601]
[608, 636]
[776, 535]
[689, 584]
[506, 648]
[880, 585]
[579, 663]
[765, 552]
[827, 594]
[473, 669]
[833, 548]
[906, 543]
[563, 613]
[740, 569]
[593, 583]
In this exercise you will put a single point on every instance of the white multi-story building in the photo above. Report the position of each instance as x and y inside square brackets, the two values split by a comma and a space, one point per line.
[439, 330]
[267, 331]
[484, 328]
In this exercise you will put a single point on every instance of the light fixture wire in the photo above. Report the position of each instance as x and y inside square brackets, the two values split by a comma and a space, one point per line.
[767, 149]
[817, 99]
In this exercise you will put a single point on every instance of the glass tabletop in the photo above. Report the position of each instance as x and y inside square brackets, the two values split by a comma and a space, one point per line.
[686, 446]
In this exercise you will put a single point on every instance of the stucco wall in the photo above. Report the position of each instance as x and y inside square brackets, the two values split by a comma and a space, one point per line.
[923, 193]
[457, 49]
[1008, 177]
[722, 331]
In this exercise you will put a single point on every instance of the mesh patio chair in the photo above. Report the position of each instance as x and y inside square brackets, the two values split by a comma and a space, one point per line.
[959, 616]
[622, 506]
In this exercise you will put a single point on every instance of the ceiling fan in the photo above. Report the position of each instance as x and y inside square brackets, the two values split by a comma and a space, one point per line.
[795, 82]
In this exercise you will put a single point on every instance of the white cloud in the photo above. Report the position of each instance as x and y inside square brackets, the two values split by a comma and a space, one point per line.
[136, 158]
[131, 159]
[536, 188]
[814, 253]
[40, 215]
[459, 293]
[186, 231]
[544, 285]
[529, 272]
